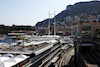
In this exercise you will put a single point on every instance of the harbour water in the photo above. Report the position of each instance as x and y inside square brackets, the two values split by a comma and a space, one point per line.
[7, 40]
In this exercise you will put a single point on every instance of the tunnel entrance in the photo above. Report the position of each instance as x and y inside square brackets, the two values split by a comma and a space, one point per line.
[85, 47]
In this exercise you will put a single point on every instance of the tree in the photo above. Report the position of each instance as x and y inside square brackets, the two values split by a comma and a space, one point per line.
[94, 21]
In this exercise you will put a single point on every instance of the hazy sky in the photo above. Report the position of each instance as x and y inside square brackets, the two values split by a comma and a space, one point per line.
[29, 12]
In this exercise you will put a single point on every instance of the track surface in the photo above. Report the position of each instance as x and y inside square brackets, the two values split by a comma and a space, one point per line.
[92, 59]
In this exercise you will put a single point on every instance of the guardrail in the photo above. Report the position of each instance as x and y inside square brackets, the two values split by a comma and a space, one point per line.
[52, 59]
[65, 58]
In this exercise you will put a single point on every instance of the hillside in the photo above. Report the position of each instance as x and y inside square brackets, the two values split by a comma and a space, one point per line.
[91, 7]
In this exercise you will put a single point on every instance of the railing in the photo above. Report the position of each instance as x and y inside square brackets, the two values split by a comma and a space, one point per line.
[66, 58]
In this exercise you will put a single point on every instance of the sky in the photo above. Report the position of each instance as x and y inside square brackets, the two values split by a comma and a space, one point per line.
[29, 12]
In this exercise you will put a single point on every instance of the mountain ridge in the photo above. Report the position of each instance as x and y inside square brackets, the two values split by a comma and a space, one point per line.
[89, 7]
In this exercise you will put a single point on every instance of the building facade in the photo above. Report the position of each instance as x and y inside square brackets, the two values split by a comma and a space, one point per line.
[84, 30]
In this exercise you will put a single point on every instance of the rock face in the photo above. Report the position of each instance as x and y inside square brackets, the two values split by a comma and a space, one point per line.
[91, 7]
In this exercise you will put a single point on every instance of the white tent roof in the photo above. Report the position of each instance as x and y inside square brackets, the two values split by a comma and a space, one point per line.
[53, 41]
[65, 46]
[71, 44]
[23, 43]
[12, 44]
[21, 56]
[3, 43]
[19, 59]
[8, 55]
[7, 64]
[43, 49]
[51, 36]
[26, 44]
[4, 58]
[47, 41]
[32, 42]
[36, 43]
[19, 41]
[11, 60]
[16, 33]
[15, 60]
